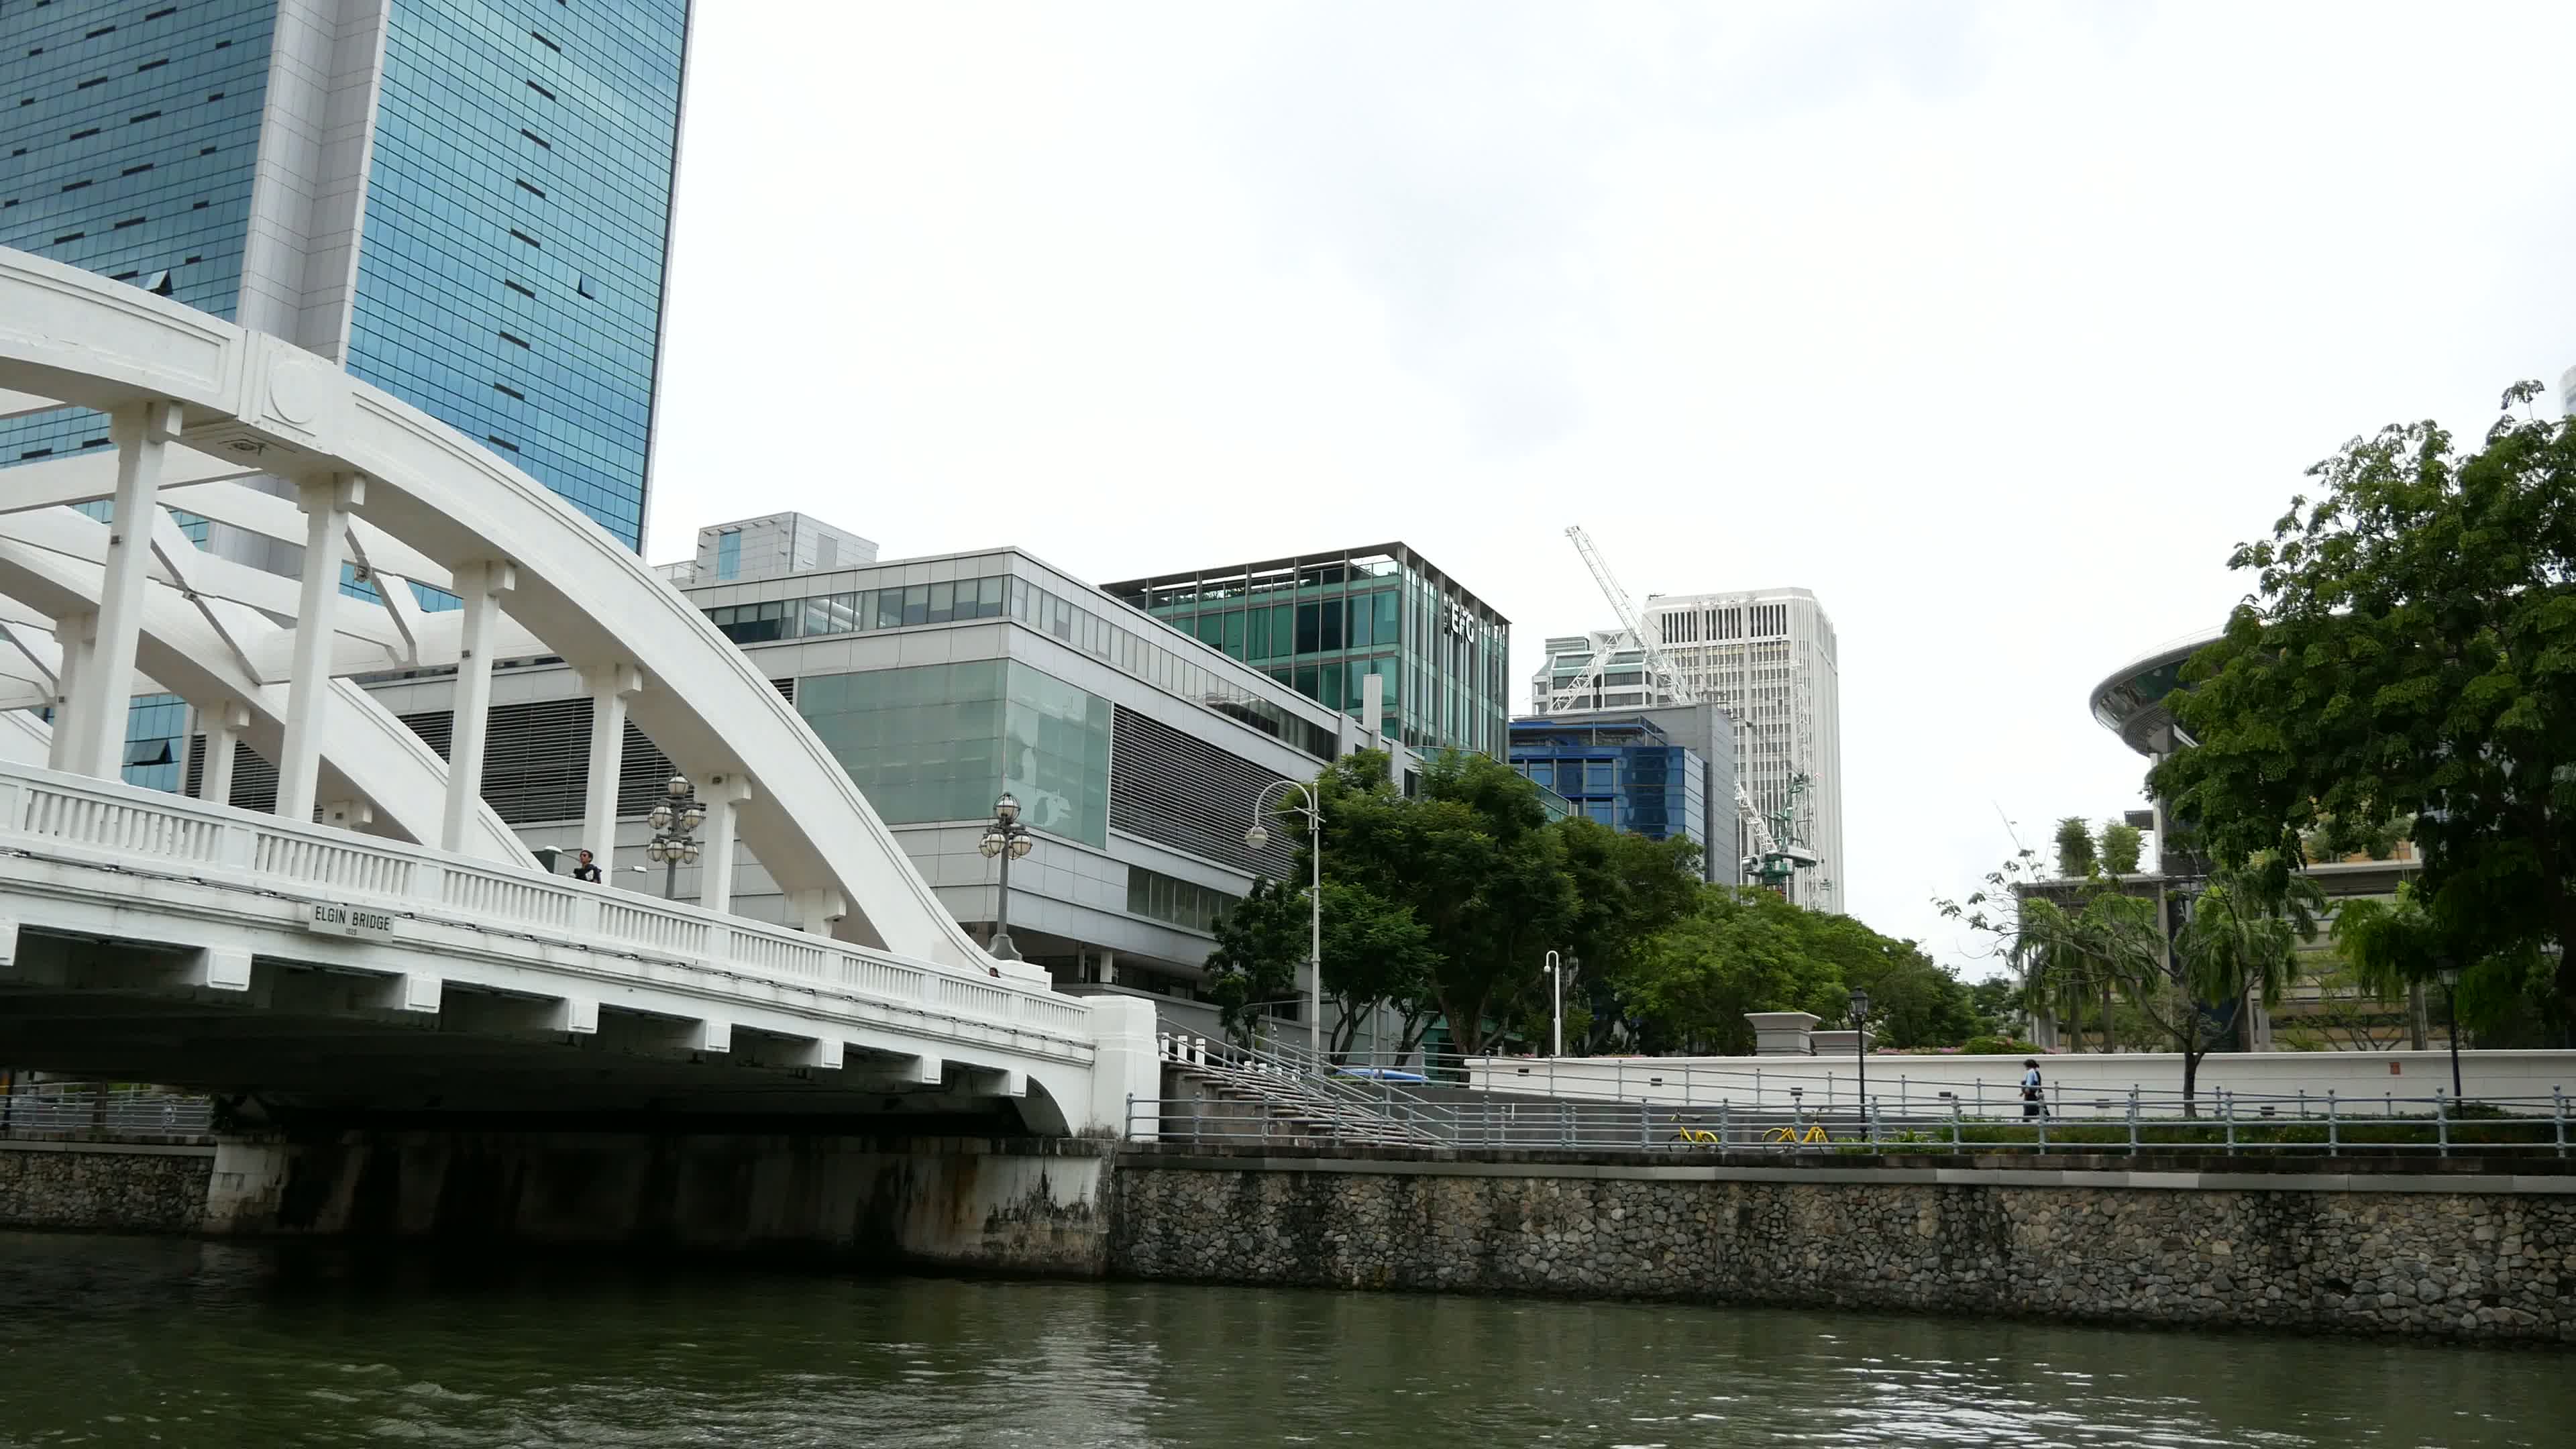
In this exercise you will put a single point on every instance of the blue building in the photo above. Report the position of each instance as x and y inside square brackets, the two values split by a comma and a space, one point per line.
[464, 202]
[1640, 772]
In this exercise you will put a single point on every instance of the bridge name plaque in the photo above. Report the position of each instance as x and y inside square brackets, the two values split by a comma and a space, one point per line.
[332, 918]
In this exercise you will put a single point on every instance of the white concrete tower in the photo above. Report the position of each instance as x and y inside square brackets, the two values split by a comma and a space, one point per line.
[1767, 657]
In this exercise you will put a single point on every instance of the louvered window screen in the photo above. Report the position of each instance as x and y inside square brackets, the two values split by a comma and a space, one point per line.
[1173, 790]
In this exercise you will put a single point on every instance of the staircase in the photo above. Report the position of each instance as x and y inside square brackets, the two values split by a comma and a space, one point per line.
[1284, 1100]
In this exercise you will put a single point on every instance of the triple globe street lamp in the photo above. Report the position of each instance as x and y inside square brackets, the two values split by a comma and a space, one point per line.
[1005, 839]
[675, 823]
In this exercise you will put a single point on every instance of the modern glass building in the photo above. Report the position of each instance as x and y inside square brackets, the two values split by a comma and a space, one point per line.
[1659, 774]
[464, 202]
[1323, 623]
[1139, 755]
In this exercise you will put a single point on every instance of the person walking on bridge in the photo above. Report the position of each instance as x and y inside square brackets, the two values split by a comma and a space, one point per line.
[586, 870]
[2034, 1098]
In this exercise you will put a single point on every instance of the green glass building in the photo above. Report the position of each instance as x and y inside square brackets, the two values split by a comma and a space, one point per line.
[1322, 623]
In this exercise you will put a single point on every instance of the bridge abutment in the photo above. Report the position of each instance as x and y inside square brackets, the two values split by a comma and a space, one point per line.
[1032, 1205]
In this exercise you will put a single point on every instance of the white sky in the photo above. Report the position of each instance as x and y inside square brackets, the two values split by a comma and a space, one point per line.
[1995, 326]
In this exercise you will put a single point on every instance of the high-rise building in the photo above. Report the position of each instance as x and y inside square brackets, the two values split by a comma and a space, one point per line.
[1660, 773]
[1767, 658]
[466, 204]
[2567, 392]
[1322, 623]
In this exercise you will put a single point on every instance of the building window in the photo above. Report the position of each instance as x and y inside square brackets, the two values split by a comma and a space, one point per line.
[729, 554]
[1186, 904]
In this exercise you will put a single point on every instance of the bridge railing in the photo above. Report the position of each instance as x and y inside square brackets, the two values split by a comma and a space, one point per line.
[59, 1109]
[78, 820]
[2148, 1122]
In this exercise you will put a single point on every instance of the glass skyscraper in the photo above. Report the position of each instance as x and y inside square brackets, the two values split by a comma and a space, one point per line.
[465, 202]
[1323, 623]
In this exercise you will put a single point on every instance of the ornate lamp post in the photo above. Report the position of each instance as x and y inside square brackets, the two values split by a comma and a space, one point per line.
[1258, 837]
[675, 823]
[2449, 971]
[1008, 840]
[1860, 1043]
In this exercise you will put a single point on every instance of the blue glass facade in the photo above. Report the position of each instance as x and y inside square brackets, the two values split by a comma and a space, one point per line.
[518, 206]
[942, 741]
[1627, 773]
[131, 133]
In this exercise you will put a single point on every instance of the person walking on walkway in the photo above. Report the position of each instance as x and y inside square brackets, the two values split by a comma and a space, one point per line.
[586, 870]
[2033, 1097]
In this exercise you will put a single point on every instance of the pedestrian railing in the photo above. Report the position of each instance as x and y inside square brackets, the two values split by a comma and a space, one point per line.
[2139, 1121]
[58, 1109]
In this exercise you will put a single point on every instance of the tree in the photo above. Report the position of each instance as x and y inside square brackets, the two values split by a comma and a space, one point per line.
[1259, 943]
[1741, 950]
[2120, 844]
[2075, 853]
[1375, 955]
[1473, 859]
[1628, 890]
[2409, 653]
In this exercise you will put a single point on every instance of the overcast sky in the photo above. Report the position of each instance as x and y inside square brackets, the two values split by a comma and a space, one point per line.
[1995, 326]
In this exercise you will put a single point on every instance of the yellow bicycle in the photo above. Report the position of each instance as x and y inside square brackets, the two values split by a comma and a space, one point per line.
[1794, 1136]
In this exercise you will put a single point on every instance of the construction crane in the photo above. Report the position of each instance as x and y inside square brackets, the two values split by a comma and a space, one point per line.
[1777, 854]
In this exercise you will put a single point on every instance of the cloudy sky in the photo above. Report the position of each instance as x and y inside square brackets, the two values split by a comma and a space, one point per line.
[1994, 325]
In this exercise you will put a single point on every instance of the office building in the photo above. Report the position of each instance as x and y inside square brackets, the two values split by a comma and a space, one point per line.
[467, 205]
[1321, 623]
[1767, 659]
[1137, 753]
[1660, 773]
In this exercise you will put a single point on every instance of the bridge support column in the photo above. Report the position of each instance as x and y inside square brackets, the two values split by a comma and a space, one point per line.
[480, 586]
[143, 432]
[816, 910]
[78, 635]
[723, 795]
[610, 686]
[223, 724]
[326, 503]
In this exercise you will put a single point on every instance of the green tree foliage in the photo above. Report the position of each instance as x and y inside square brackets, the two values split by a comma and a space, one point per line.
[1746, 949]
[1259, 944]
[2075, 852]
[2409, 653]
[2120, 845]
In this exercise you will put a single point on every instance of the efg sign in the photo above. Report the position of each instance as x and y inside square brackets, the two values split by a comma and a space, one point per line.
[332, 918]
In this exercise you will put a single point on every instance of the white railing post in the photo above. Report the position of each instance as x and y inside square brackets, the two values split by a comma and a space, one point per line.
[2334, 1129]
[2441, 1122]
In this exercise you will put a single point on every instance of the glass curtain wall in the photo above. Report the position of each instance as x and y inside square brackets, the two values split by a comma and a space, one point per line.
[1323, 625]
[942, 741]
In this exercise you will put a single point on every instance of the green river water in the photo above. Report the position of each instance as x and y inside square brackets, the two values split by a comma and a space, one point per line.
[118, 1341]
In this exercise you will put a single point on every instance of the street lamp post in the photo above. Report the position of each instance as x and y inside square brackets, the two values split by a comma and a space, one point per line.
[1258, 837]
[1556, 970]
[1008, 839]
[2449, 971]
[675, 822]
[1860, 1044]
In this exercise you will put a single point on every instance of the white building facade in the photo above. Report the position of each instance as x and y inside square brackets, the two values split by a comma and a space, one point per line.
[1768, 658]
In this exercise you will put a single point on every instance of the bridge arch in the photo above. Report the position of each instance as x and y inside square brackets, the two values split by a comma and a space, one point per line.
[214, 410]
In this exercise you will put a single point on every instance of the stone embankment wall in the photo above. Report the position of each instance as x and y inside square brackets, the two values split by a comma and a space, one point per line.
[104, 1187]
[2464, 1255]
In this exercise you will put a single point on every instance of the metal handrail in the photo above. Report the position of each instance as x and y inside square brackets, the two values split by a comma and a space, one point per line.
[54, 1109]
[2144, 1122]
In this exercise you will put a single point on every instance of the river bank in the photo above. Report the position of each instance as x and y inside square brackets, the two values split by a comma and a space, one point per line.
[2454, 1248]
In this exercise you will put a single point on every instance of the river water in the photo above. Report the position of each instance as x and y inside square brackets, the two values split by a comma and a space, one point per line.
[117, 1341]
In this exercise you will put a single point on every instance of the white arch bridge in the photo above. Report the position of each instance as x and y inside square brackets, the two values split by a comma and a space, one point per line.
[383, 941]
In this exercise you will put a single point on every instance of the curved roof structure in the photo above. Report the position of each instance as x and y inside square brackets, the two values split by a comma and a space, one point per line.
[2131, 701]
[227, 418]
